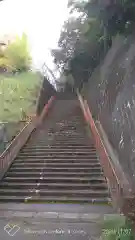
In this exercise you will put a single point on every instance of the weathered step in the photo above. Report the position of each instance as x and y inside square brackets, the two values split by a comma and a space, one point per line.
[47, 153]
[68, 165]
[24, 185]
[59, 148]
[67, 193]
[53, 174]
[55, 160]
[53, 147]
[67, 138]
[57, 164]
[62, 199]
[72, 156]
[55, 179]
[63, 134]
[75, 144]
[72, 124]
[71, 134]
[75, 140]
[57, 157]
[65, 152]
[76, 131]
[55, 169]
[56, 148]
[54, 142]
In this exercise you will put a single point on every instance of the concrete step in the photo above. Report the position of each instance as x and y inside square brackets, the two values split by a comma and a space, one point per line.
[56, 179]
[53, 154]
[44, 199]
[53, 174]
[68, 165]
[59, 163]
[42, 192]
[55, 160]
[55, 169]
[58, 147]
[25, 185]
[57, 144]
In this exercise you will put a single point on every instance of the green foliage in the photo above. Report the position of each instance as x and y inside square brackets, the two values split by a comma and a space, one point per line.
[84, 41]
[18, 96]
[16, 55]
[117, 228]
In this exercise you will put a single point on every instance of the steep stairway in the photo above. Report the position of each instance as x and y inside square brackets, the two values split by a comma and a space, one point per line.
[59, 163]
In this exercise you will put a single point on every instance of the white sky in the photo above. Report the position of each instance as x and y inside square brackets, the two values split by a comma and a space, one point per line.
[41, 20]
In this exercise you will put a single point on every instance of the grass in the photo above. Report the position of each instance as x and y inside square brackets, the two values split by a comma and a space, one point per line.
[18, 95]
[116, 228]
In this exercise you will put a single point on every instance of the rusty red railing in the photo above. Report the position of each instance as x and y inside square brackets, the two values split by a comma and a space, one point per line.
[122, 194]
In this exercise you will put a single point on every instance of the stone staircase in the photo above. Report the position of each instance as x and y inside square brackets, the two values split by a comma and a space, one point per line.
[59, 163]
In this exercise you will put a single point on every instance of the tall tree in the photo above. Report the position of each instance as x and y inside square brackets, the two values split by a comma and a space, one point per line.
[85, 40]
[18, 53]
[16, 56]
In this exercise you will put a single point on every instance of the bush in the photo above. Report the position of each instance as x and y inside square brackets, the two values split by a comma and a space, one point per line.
[16, 56]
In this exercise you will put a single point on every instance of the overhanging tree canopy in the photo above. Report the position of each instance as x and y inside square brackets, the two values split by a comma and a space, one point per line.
[85, 40]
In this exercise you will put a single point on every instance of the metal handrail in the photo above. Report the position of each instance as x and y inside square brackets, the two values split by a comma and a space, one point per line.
[120, 188]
